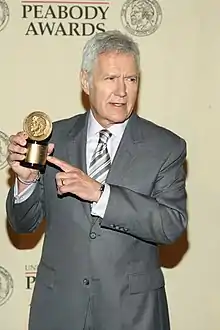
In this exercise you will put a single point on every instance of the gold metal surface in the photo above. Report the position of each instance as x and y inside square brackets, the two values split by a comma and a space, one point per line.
[36, 154]
[38, 126]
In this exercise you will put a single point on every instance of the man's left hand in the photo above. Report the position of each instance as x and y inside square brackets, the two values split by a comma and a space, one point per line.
[73, 180]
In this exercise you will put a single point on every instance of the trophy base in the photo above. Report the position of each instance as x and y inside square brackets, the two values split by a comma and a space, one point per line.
[36, 156]
[34, 166]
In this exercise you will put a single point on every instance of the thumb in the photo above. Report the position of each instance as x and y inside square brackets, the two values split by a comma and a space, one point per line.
[50, 148]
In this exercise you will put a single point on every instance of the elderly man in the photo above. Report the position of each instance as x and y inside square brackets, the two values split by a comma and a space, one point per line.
[113, 190]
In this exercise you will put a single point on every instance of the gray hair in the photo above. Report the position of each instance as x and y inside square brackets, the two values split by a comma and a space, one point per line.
[108, 41]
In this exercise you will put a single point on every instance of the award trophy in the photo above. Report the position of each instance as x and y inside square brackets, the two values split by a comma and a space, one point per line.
[38, 126]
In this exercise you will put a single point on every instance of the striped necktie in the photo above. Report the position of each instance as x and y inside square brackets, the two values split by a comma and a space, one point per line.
[100, 162]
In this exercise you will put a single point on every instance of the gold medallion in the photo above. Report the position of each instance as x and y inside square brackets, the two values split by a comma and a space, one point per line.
[38, 126]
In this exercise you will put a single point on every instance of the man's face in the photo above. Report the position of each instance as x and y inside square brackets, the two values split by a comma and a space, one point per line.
[113, 87]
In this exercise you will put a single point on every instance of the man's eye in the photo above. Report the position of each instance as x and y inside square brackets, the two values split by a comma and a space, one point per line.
[132, 79]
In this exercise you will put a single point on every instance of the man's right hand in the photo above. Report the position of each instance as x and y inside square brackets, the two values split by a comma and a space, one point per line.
[17, 151]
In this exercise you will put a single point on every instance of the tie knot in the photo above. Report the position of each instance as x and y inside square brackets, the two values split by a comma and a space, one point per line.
[104, 135]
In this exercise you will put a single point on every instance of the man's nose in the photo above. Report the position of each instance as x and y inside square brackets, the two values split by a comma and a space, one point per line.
[121, 89]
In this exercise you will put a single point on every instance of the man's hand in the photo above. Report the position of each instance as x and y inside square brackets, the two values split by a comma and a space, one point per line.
[73, 180]
[17, 151]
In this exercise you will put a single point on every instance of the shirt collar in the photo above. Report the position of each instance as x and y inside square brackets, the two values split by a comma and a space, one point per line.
[94, 127]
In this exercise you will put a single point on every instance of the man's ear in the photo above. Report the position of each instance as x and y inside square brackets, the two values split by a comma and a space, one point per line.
[84, 81]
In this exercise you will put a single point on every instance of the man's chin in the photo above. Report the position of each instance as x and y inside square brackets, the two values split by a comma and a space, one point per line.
[119, 119]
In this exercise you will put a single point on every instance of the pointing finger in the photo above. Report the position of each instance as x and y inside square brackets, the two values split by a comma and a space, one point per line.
[60, 163]
[50, 148]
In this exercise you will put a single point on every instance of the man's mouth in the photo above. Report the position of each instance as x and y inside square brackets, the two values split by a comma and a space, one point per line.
[117, 104]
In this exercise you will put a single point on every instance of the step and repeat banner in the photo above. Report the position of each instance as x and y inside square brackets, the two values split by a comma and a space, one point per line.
[40, 55]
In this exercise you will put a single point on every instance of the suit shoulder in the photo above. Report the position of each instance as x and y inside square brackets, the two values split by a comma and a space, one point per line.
[63, 126]
[161, 135]
[66, 122]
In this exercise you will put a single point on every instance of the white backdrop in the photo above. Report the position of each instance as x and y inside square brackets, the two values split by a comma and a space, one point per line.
[179, 90]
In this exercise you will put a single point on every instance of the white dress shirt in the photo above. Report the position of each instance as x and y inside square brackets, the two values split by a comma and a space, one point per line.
[117, 130]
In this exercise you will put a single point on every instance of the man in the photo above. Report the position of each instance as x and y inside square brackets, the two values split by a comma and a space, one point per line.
[109, 199]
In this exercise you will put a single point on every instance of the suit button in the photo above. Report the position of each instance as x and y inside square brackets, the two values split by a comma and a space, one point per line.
[86, 281]
[92, 235]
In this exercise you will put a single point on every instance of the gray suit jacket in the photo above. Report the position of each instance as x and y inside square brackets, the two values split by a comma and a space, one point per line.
[104, 274]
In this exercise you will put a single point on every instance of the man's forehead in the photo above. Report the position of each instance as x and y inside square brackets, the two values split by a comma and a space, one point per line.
[115, 54]
[115, 59]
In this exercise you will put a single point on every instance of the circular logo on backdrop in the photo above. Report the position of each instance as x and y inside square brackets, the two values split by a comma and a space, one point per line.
[4, 14]
[141, 17]
[4, 140]
[6, 285]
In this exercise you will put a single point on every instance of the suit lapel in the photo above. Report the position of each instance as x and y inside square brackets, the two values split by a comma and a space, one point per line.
[76, 150]
[127, 151]
[76, 145]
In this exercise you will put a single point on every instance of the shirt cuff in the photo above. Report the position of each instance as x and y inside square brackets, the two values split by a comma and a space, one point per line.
[25, 194]
[99, 208]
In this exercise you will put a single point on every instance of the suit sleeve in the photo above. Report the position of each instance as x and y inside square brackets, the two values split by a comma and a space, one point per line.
[160, 218]
[25, 217]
